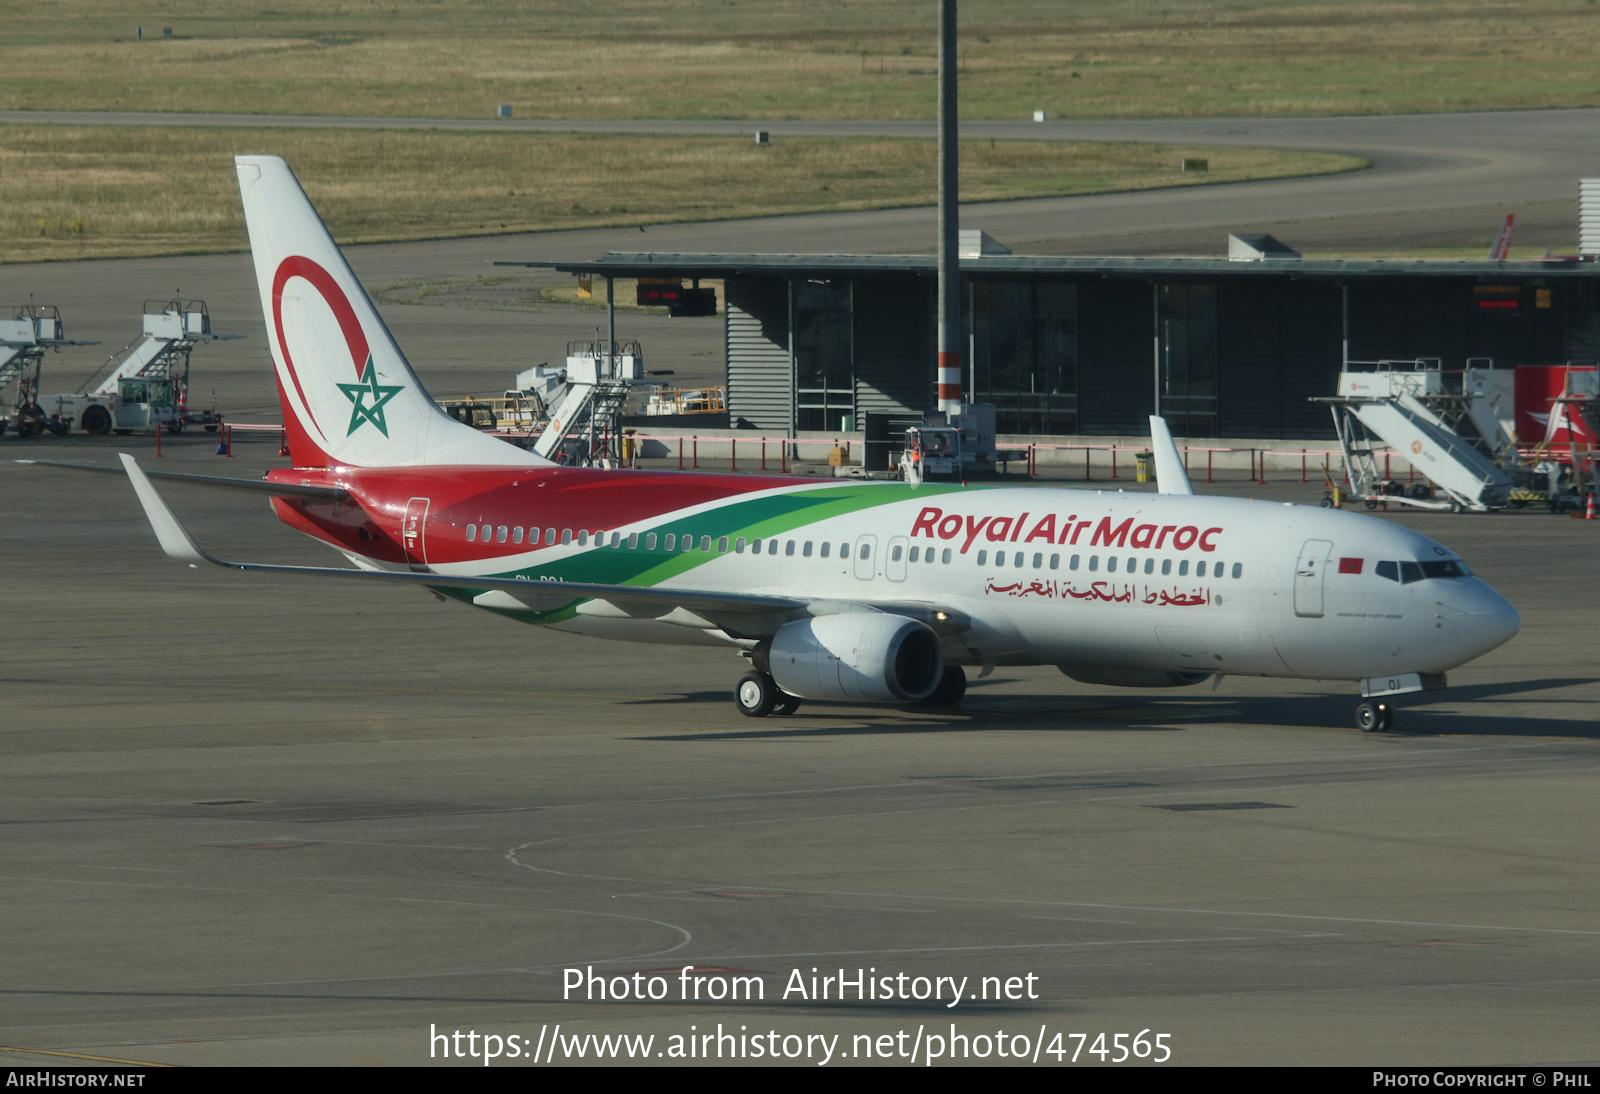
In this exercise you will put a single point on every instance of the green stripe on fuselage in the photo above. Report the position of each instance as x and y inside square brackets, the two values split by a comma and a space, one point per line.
[752, 517]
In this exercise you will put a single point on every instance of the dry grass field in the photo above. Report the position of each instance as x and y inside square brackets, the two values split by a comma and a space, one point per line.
[95, 192]
[801, 58]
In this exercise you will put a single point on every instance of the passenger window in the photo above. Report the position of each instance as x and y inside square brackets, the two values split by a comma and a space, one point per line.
[583, 537]
[844, 550]
[772, 546]
[1183, 568]
[1038, 561]
[472, 533]
[1111, 563]
[616, 539]
[1133, 565]
[516, 534]
[826, 547]
[650, 542]
[1149, 565]
[865, 552]
[705, 544]
[738, 546]
[946, 556]
[1072, 563]
[671, 542]
[1166, 566]
[633, 541]
[915, 552]
[894, 553]
[1238, 570]
[1094, 563]
[549, 537]
[1387, 569]
[806, 550]
[1055, 562]
[1409, 572]
[789, 549]
[566, 536]
[1017, 559]
[501, 533]
[999, 558]
[1199, 569]
[983, 558]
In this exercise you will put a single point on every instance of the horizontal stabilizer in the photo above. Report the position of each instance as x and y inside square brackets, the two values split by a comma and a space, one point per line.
[259, 486]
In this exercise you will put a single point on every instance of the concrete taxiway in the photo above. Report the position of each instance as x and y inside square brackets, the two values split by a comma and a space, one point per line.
[251, 820]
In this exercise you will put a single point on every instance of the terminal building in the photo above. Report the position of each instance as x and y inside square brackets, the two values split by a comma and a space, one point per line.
[1223, 348]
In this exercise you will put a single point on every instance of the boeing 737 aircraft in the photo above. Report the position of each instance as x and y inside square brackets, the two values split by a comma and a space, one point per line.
[879, 592]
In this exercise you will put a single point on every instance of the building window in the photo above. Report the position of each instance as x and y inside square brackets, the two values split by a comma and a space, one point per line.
[1024, 349]
[824, 355]
[1187, 345]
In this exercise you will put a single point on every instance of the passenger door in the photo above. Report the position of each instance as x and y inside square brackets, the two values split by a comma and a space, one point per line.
[894, 567]
[1308, 572]
[866, 563]
[413, 533]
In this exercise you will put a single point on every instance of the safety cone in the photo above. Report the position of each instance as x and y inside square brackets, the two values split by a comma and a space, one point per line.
[1588, 513]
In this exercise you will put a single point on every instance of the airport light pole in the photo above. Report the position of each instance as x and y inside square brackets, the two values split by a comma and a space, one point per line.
[949, 368]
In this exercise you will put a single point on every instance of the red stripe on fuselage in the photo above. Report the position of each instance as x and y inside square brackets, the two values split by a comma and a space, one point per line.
[542, 497]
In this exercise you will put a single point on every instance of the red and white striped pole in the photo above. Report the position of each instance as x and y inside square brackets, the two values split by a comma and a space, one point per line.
[949, 374]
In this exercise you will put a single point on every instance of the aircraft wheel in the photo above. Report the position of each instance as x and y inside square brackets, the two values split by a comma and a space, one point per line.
[786, 703]
[756, 695]
[1370, 503]
[1385, 717]
[1370, 716]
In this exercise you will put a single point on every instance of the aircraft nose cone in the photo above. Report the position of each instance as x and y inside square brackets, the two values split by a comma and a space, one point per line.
[1487, 619]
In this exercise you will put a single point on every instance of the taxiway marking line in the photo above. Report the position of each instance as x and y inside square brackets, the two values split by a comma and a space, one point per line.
[85, 1056]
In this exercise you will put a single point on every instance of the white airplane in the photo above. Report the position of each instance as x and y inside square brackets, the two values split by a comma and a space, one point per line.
[874, 592]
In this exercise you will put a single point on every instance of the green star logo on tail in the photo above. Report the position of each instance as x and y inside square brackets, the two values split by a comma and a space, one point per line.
[357, 394]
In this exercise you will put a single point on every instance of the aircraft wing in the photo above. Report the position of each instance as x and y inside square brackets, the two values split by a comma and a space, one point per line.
[646, 601]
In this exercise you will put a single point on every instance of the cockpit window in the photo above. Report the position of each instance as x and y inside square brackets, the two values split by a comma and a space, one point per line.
[1407, 572]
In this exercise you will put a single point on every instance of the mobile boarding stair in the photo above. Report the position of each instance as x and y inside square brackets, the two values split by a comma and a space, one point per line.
[600, 376]
[25, 334]
[1452, 427]
[172, 328]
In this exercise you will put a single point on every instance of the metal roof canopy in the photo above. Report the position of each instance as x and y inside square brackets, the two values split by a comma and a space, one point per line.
[623, 264]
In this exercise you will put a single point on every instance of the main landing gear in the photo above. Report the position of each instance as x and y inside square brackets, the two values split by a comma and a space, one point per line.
[758, 695]
[951, 687]
[1374, 716]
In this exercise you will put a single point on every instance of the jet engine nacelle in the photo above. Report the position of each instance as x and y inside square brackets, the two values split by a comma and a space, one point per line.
[867, 656]
[1134, 678]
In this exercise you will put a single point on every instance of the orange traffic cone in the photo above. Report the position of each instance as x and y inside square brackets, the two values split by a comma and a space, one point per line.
[1589, 513]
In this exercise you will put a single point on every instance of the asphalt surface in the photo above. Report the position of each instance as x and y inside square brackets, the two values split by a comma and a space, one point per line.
[271, 821]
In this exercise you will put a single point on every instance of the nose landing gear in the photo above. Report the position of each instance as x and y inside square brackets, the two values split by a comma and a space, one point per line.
[1374, 716]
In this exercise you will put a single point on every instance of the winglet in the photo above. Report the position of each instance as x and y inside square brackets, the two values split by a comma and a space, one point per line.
[1171, 478]
[174, 537]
